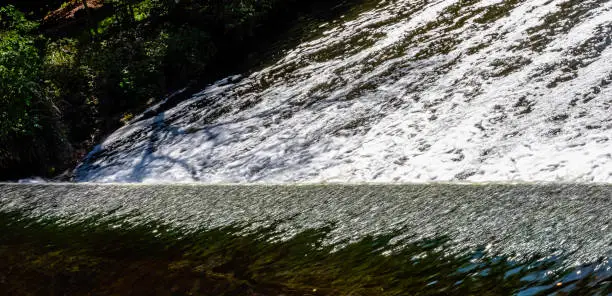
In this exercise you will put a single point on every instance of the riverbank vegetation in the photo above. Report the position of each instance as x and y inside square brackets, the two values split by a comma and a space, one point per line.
[72, 72]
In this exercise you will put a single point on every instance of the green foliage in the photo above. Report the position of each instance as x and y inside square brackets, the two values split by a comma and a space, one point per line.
[136, 59]
[31, 137]
[13, 19]
[126, 68]
[189, 51]
[20, 68]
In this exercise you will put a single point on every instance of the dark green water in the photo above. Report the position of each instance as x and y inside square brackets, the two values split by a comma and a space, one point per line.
[305, 240]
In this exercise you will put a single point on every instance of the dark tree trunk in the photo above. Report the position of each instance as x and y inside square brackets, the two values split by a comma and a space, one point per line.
[90, 22]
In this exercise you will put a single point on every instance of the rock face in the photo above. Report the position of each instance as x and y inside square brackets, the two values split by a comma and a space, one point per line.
[398, 91]
[74, 13]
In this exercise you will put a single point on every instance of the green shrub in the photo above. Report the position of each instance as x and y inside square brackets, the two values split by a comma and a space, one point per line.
[31, 137]
[20, 66]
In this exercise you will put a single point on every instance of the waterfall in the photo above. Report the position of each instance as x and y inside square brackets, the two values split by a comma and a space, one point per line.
[397, 91]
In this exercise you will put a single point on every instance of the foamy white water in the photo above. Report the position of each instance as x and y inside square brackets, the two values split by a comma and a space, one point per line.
[405, 91]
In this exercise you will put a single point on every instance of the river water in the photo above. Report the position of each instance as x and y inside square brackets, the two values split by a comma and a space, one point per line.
[397, 91]
[555, 238]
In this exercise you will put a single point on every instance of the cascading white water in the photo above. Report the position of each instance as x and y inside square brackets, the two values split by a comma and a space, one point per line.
[407, 90]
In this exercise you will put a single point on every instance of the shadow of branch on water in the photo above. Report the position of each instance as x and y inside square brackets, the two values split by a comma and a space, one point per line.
[149, 154]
